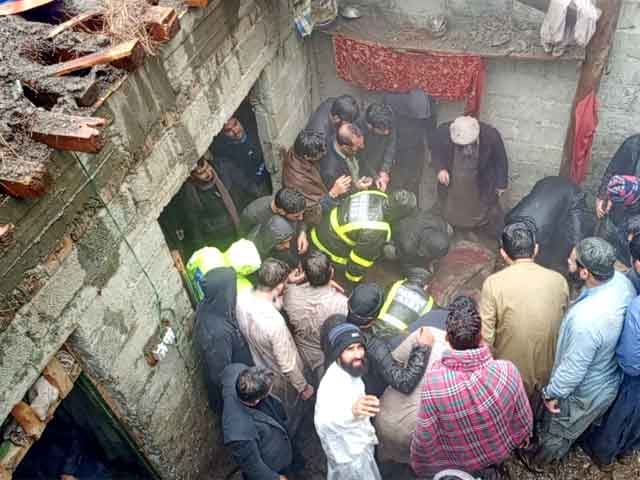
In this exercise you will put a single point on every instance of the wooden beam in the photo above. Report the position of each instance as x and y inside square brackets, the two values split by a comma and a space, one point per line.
[19, 6]
[128, 56]
[69, 132]
[32, 185]
[75, 22]
[593, 67]
[197, 3]
[4, 473]
[57, 376]
[162, 23]
[28, 420]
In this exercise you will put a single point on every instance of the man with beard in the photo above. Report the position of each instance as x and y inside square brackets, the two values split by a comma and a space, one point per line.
[201, 216]
[472, 167]
[239, 159]
[585, 376]
[343, 411]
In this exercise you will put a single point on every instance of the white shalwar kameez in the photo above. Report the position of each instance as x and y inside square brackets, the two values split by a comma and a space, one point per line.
[348, 441]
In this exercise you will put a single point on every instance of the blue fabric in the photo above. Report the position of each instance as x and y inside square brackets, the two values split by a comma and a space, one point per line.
[628, 350]
[634, 278]
[619, 431]
[585, 368]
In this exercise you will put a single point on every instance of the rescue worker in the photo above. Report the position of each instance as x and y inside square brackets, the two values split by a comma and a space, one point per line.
[407, 300]
[242, 256]
[354, 233]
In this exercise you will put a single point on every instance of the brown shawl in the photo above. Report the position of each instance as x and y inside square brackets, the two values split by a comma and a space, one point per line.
[304, 176]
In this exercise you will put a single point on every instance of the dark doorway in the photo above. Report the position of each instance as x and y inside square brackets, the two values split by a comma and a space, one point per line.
[200, 214]
[84, 441]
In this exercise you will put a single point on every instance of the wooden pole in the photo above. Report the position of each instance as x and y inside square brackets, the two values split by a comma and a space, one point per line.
[593, 67]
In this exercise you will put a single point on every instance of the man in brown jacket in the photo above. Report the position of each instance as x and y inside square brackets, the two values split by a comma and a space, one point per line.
[522, 307]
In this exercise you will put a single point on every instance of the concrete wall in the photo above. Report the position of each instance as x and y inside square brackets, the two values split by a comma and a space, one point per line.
[90, 287]
[619, 112]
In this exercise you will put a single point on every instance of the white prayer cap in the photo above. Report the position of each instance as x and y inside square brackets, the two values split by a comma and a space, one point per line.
[464, 130]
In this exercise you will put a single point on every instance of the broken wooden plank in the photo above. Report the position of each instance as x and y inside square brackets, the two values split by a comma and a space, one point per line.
[19, 6]
[128, 56]
[32, 185]
[74, 22]
[28, 420]
[162, 23]
[69, 132]
[197, 3]
[57, 376]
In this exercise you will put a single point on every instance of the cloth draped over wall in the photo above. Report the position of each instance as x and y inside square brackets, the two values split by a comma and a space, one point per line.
[444, 76]
[586, 121]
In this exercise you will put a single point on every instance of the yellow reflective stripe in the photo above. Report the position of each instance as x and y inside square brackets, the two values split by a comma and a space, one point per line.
[363, 262]
[335, 225]
[393, 321]
[428, 306]
[390, 296]
[353, 278]
[369, 192]
[365, 224]
[334, 258]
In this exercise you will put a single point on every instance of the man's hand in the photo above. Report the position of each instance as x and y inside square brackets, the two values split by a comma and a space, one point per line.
[443, 177]
[282, 477]
[382, 181]
[303, 243]
[341, 186]
[366, 406]
[296, 276]
[425, 338]
[364, 182]
[602, 207]
[336, 286]
[552, 405]
[308, 392]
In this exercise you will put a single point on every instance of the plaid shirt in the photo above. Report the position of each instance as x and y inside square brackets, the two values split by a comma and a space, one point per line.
[473, 412]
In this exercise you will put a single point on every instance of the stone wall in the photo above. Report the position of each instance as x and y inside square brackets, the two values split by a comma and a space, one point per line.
[104, 278]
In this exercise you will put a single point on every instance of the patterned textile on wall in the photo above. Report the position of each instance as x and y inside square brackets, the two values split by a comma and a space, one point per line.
[446, 77]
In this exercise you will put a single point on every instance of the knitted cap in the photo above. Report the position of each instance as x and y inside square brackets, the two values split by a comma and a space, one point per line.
[597, 255]
[464, 130]
[365, 304]
[342, 336]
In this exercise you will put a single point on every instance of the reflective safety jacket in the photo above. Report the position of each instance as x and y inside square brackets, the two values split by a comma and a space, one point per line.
[405, 303]
[242, 256]
[353, 234]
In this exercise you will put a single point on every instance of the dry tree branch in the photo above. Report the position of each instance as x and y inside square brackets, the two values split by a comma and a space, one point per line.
[123, 21]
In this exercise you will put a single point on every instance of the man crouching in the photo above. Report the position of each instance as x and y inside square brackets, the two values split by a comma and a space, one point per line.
[343, 410]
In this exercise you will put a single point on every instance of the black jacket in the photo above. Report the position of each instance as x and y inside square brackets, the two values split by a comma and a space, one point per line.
[333, 166]
[624, 162]
[319, 120]
[217, 335]
[257, 436]
[562, 217]
[421, 238]
[493, 168]
[384, 371]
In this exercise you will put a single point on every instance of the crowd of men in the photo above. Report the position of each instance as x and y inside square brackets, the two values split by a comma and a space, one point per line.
[522, 369]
